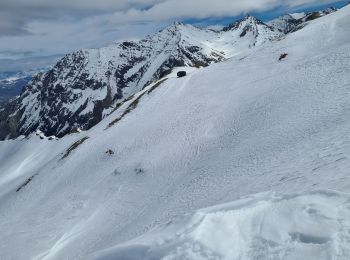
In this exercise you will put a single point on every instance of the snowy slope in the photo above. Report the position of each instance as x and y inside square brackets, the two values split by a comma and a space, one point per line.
[248, 125]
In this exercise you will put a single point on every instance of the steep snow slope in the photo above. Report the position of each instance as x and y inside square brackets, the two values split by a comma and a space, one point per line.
[248, 125]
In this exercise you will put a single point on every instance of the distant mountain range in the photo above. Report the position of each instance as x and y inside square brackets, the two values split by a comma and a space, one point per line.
[12, 83]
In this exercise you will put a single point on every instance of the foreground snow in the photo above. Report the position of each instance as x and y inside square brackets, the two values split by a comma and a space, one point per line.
[249, 125]
[310, 226]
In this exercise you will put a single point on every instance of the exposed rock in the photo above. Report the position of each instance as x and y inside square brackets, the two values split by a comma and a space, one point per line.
[181, 74]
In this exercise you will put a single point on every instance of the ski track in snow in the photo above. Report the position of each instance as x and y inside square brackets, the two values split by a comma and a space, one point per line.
[224, 132]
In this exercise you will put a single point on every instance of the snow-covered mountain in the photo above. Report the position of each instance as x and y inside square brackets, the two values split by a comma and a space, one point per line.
[254, 31]
[86, 85]
[248, 158]
[286, 23]
[292, 22]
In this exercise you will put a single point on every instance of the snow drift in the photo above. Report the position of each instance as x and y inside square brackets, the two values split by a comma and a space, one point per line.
[310, 226]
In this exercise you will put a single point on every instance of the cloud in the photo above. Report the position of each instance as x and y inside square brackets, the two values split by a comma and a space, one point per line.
[71, 6]
[16, 14]
[201, 9]
[27, 64]
[45, 27]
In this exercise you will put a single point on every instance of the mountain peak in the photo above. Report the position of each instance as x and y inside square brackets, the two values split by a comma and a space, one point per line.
[250, 17]
[247, 20]
[175, 27]
[177, 23]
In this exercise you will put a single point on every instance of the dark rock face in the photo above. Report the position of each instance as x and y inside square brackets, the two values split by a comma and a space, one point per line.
[9, 124]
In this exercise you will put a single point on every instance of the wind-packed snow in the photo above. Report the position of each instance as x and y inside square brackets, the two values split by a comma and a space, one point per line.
[311, 226]
[146, 179]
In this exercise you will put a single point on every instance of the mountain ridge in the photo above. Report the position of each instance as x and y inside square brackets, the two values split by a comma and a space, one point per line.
[292, 22]
[86, 85]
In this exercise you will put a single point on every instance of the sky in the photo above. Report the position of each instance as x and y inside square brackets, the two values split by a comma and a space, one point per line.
[49, 28]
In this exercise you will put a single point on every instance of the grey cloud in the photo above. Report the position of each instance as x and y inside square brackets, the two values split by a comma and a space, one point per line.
[27, 63]
[75, 5]
[18, 54]
[172, 9]
[16, 14]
